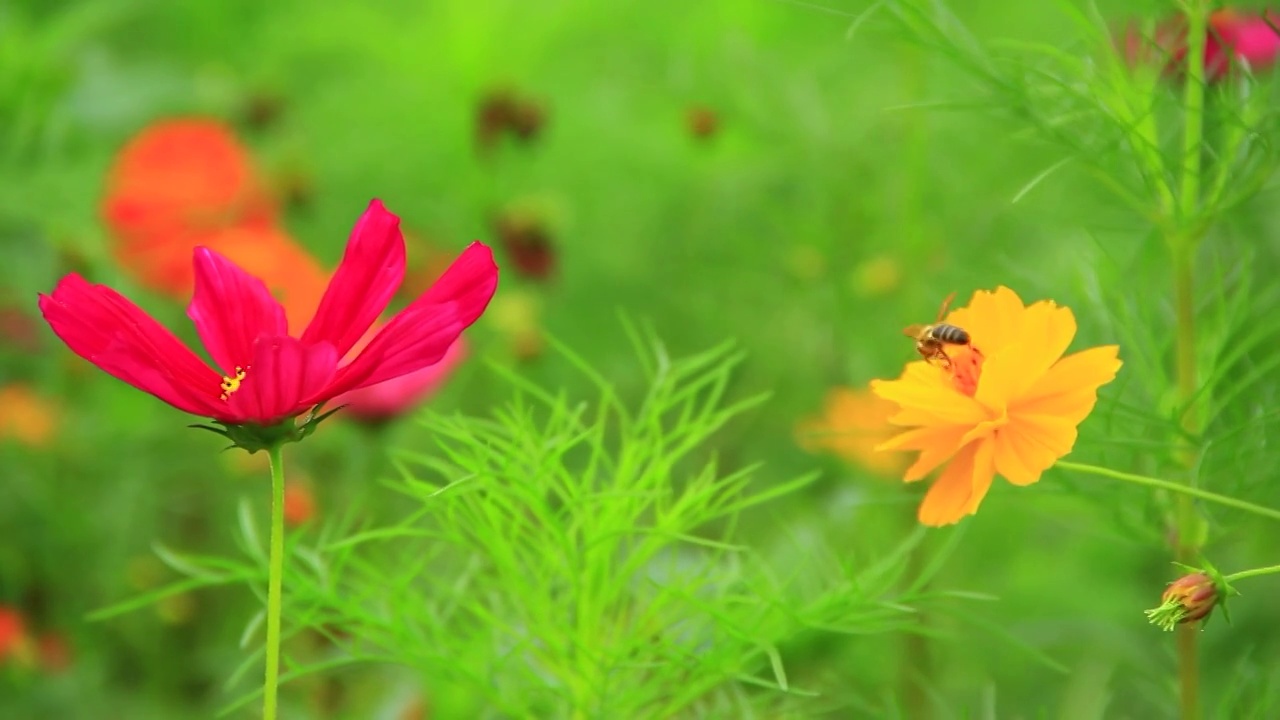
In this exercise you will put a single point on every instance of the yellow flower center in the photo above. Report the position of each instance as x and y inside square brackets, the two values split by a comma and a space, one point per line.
[232, 384]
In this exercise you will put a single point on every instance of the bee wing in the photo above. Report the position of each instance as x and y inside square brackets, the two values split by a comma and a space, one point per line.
[914, 331]
[946, 305]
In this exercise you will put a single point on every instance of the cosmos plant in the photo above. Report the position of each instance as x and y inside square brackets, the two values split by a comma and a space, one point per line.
[270, 385]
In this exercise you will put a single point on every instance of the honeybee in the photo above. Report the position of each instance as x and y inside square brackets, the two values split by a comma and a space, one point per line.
[931, 340]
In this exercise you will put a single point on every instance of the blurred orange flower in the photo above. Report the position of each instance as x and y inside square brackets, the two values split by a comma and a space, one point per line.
[294, 277]
[1008, 405]
[174, 186]
[25, 416]
[299, 503]
[853, 423]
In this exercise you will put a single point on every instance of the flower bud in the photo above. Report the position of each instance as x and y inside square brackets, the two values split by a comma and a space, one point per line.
[1186, 600]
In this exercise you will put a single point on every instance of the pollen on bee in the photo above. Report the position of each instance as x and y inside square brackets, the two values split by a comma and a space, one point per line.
[231, 384]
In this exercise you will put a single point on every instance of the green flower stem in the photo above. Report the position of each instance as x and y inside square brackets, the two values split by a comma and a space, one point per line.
[1183, 489]
[1183, 249]
[275, 576]
[1252, 573]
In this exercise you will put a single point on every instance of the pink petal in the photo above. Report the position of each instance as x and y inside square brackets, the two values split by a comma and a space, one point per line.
[231, 309]
[103, 327]
[420, 334]
[399, 395]
[285, 372]
[369, 274]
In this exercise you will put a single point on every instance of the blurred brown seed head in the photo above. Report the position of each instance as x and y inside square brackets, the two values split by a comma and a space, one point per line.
[262, 109]
[19, 331]
[703, 122]
[54, 653]
[527, 240]
[502, 112]
[295, 188]
[528, 120]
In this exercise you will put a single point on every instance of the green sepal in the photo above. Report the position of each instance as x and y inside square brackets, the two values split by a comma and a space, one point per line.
[1225, 589]
[252, 437]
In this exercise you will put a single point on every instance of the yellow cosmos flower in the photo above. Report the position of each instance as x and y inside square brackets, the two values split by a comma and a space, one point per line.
[1008, 404]
[25, 416]
[852, 425]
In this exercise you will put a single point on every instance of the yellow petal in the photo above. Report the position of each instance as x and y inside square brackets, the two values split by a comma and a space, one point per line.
[852, 424]
[922, 438]
[936, 445]
[992, 319]
[1001, 378]
[928, 461]
[1047, 330]
[960, 488]
[1070, 388]
[1031, 444]
[927, 390]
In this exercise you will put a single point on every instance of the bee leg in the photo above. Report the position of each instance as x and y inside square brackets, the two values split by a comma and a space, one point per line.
[946, 360]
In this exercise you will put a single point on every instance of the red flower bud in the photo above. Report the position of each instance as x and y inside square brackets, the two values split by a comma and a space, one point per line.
[1186, 600]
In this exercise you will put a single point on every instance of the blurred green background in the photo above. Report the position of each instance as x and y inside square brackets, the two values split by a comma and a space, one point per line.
[828, 206]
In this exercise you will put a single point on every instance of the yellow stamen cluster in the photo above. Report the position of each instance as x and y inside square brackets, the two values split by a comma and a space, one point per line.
[232, 384]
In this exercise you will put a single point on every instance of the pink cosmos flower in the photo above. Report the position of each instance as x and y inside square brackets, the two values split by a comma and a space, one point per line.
[267, 374]
[1234, 38]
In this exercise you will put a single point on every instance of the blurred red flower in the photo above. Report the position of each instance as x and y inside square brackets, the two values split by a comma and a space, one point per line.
[1234, 38]
[528, 241]
[13, 632]
[174, 185]
[269, 375]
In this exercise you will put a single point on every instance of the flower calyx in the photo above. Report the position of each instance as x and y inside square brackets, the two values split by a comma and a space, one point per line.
[252, 437]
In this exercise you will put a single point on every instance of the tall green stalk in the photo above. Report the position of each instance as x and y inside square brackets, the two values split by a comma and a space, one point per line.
[275, 576]
[1183, 247]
